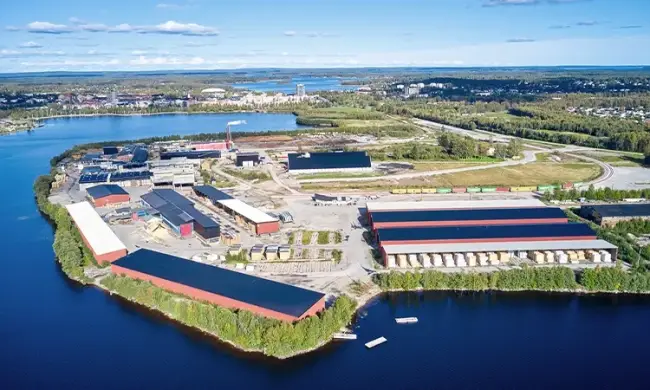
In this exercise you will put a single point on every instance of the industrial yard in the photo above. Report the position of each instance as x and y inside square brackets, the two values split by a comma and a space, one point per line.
[237, 210]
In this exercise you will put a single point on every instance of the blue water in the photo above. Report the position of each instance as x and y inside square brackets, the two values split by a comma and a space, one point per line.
[312, 84]
[55, 334]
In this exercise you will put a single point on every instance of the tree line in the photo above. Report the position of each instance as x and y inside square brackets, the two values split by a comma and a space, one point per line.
[602, 194]
[607, 279]
[240, 327]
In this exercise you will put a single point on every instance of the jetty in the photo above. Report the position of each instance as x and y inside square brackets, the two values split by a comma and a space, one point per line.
[406, 320]
[344, 336]
[375, 342]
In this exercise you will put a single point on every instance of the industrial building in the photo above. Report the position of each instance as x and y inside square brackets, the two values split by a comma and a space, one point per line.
[467, 217]
[191, 154]
[319, 162]
[247, 159]
[95, 233]
[256, 221]
[122, 179]
[180, 215]
[452, 205]
[220, 286]
[611, 214]
[110, 150]
[107, 194]
[176, 173]
[490, 233]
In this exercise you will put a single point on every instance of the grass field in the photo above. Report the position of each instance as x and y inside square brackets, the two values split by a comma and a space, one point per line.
[442, 165]
[622, 160]
[521, 175]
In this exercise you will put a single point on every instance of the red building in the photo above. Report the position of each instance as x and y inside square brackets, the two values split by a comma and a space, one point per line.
[107, 194]
[219, 286]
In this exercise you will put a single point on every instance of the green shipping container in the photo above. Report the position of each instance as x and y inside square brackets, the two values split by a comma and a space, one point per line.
[488, 189]
[443, 190]
[545, 188]
[473, 189]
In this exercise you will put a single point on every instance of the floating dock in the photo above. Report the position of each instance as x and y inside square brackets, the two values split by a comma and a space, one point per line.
[406, 320]
[375, 342]
[344, 336]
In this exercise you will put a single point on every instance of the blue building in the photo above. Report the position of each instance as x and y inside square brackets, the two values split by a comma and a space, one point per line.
[322, 162]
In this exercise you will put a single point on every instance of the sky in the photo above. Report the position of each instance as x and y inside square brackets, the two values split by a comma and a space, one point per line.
[83, 35]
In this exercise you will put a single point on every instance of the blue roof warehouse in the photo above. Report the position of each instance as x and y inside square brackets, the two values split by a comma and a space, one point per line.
[323, 162]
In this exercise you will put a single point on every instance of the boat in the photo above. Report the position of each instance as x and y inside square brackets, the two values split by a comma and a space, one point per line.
[406, 320]
[344, 336]
[375, 342]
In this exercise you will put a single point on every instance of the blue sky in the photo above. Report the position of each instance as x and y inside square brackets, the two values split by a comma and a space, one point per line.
[43, 35]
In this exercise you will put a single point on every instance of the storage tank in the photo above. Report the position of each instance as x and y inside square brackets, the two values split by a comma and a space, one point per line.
[449, 260]
[460, 260]
[413, 260]
[425, 260]
[437, 260]
[391, 261]
[401, 261]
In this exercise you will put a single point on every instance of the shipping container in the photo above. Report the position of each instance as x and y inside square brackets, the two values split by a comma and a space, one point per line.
[545, 188]
[473, 189]
[428, 190]
[414, 190]
[523, 189]
[443, 190]
[488, 189]
[459, 190]
[503, 189]
[398, 191]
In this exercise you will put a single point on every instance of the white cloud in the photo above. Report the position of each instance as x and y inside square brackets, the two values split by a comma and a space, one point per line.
[121, 28]
[94, 27]
[30, 45]
[148, 61]
[290, 33]
[47, 28]
[12, 28]
[5, 52]
[176, 28]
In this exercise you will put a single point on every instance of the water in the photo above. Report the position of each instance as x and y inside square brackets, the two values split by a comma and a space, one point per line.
[312, 84]
[55, 334]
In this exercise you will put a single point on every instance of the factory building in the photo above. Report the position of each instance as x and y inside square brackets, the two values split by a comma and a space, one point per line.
[256, 221]
[95, 233]
[190, 154]
[220, 286]
[610, 215]
[122, 179]
[180, 215]
[319, 162]
[452, 205]
[222, 145]
[467, 217]
[247, 159]
[176, 172]
[107, 194]
[490, 233]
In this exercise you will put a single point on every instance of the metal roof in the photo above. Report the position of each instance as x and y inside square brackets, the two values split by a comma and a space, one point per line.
[211, 193]
[247, 211]
[620, 210]
[130, 175]
[452, 204]
[176, 208]
[94, 178]
[268, 294]
[467, 214]
[498, 246]
[103, 190]
[140, 155]
[172, 196]
[98, 235]
[109, 150]
[484, 232]
[191, 154]
[328, 160]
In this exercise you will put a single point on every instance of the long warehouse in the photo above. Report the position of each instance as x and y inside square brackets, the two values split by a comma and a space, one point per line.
[98, 237]
[372, 207]
[255, 220]
[467, 217]
[498, 233]
[220, 286]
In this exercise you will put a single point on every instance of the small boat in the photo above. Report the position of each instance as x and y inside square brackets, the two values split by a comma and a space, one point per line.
[375, 342]
[344, 336]
[406, 320]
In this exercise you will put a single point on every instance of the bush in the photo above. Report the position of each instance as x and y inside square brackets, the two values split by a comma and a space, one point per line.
[323, 238]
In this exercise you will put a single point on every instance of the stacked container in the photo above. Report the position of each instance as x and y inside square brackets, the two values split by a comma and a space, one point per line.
[494, 258]
[573, 257]
[449, 260]
[471, 259]
[425, 260]
[504, 257]
[605, 256]
[561, 257]
[538, 257]
[413, 261]
[482, 259]
[594, 256]
[460, 260]
[549, 257]
[437, 260]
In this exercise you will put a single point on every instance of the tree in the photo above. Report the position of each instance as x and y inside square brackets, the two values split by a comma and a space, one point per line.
[515, 147]
[500, 151]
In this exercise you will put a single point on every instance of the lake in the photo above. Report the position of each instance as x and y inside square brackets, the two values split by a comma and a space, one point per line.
[312, 84]
[55, 334]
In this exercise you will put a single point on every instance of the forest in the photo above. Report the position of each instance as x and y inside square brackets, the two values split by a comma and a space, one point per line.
[592, 193]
